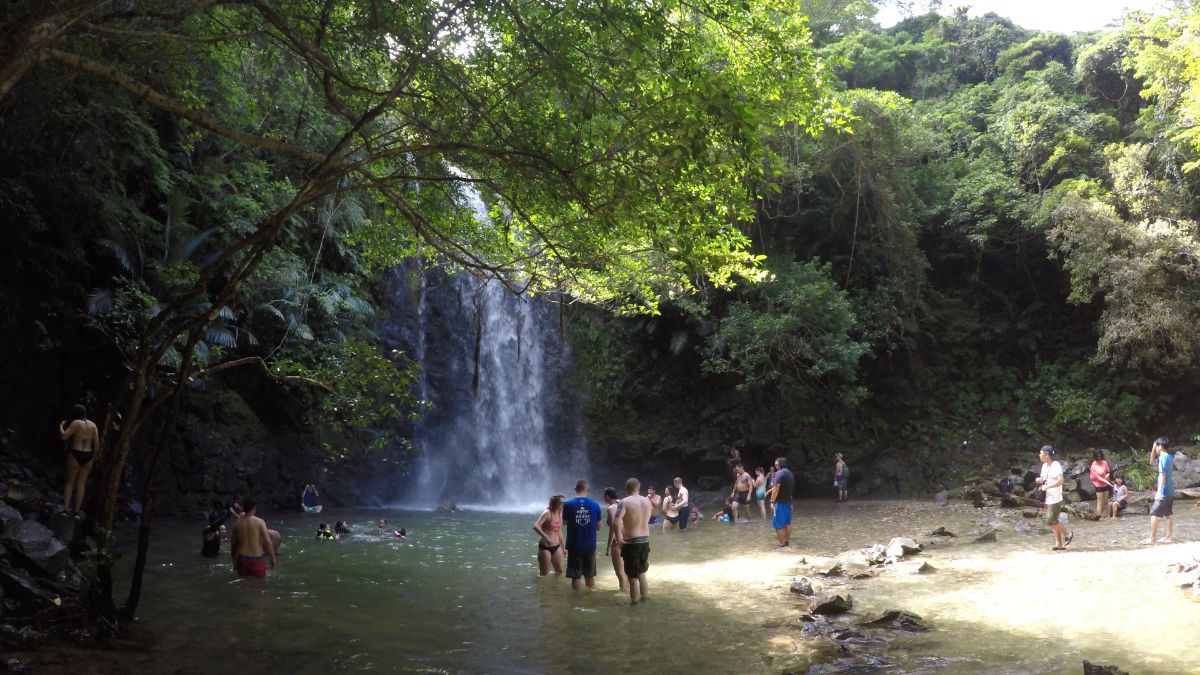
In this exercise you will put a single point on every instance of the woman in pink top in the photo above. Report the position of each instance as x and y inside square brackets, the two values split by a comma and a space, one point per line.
[549, 529]
[1100, 480]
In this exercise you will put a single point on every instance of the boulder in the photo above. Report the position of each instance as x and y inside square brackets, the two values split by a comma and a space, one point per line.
[35, 546]
[831, 570]
[898, 619]
[942, 532]
[942, 497]
[63, 527]
[18, 585]
[877, 554]
[1031, 513]
[988, 537]
[9, 518]
[899, 547]
[834, 603]
[803, 586]
[1090, 668]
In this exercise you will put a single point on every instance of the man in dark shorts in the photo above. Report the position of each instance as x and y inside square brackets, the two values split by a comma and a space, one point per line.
[1164, 492]
[581, 516]
[635, 539]
[743, 487]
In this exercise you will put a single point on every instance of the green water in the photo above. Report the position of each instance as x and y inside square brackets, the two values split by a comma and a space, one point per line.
[462, 595]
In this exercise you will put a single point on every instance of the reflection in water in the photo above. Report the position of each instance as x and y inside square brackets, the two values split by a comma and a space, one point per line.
[462, 595]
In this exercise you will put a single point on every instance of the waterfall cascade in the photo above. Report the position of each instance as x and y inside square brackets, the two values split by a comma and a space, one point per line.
[505, 430]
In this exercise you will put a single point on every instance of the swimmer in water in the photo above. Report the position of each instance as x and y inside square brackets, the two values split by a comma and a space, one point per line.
[400, 534]
[323, 532]
[382, 525]
[341, 528]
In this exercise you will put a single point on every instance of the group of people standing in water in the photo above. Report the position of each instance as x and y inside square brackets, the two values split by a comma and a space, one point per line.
[568, 529]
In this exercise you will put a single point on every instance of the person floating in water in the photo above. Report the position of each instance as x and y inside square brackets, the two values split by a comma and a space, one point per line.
[382, 525]
[341, 528]
[308, 499]
[252, 548]
[401, 534]
[84, 439]
[549, 529]
[323, 532]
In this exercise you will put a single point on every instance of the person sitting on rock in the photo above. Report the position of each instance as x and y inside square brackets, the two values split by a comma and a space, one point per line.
[1119, 498]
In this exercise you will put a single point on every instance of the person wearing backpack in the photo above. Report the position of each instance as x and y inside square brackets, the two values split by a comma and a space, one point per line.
[840, 473]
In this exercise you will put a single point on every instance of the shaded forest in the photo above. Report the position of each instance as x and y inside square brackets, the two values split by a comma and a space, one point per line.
[800, 236]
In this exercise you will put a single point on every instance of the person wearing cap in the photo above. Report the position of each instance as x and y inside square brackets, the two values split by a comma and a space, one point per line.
[1051, 481]
[1164, 491]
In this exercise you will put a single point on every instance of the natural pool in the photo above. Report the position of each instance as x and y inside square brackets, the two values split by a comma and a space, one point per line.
[462, 595]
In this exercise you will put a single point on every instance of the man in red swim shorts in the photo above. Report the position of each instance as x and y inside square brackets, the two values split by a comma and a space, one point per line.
[251, 546]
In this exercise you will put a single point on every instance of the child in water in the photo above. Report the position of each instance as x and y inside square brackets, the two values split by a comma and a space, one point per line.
[726, 514]
[341, 528]
[323, 532]
[400, 534]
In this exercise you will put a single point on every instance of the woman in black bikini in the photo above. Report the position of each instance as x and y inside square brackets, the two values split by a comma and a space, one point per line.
[549, 529]
[85, 440]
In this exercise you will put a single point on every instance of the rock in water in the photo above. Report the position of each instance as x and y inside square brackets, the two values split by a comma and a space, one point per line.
[899, 547]
[831, 604]
[1090, 668]
[942, 532]
[802, 586]
[988, 537]
[898, 619]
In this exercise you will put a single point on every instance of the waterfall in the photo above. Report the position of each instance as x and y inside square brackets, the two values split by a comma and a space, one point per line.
[505, 428]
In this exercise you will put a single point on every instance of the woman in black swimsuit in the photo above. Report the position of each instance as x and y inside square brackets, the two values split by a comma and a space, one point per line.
[85, 440]
[549, 529]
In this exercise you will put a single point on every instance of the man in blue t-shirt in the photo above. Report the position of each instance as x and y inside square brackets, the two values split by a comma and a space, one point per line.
[581, 516]
[782, 485]
[1164, 494]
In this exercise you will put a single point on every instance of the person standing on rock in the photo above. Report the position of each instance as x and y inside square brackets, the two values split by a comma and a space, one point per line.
[1051, 481]
[251, 547]
[1099, 473]
[1164, 492]
[780, 495]
[634, 512]
[743, 489]
[612, 547]
[581, 516]
[84, 438]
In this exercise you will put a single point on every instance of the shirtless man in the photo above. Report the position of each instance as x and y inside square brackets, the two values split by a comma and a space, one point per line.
[613, 547]
[635, 538]
[85, 441]
[252, 546]
[655, 505]
[743, 488]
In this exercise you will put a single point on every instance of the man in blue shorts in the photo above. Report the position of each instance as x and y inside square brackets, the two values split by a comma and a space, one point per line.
[782, 486]
[581, 516]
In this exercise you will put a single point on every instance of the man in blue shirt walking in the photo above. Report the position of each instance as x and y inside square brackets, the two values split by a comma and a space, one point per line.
[581, 516]
[1164, 494]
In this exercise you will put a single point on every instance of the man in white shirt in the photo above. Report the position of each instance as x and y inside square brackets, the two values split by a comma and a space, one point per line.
[1052, 480]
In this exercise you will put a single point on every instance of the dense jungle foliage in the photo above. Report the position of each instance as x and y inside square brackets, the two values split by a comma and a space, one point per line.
[1000, 252]
[200, 197]
[797, 235]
